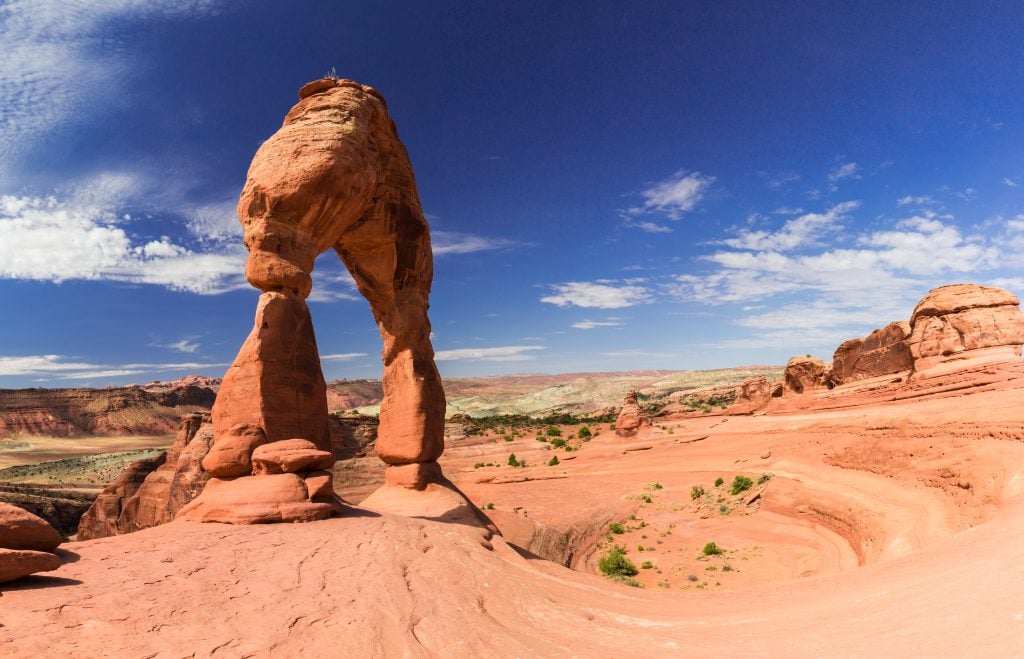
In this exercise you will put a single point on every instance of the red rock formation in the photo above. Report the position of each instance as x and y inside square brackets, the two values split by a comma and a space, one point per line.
[631, 419]
[753, 394]
[151, 492]
[335, 175]
[883, 352]
[804, 373]
[955, 324]
[25, 544]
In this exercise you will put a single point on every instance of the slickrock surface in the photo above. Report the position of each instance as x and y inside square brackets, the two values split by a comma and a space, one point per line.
[631, 418]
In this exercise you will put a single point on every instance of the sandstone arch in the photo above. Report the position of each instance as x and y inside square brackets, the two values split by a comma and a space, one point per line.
[335, 175]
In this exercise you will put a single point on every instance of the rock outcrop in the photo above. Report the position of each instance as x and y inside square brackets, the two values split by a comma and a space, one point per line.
[804, 374]
[955, 324]
[883, 352]
[26, 543]
[753, 394]
[151, 492]
[631, 418]
[335, 175]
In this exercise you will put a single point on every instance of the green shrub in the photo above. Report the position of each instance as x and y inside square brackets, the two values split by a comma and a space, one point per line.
[655, 486]
[584, 432]
[478, 465]
[764, 479]
[508, 438]
[646, 565]
[711, 549]
[614, 564]
[489, 506]
[740, 484]
[553, 431]
[726, 568]
[553, 461]
[719, 481]
[696, 492]
[616, 528]
[558, 442]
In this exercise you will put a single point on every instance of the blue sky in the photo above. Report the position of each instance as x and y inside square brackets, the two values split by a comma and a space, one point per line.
[610, 185]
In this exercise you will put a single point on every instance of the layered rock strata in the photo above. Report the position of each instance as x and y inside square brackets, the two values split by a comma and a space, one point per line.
[804, 374]
[883, 352]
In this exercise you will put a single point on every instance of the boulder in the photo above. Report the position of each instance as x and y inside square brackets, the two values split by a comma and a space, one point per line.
[959, 324]
[232, 455]
[256, 500]
[18, 563]
[804, 374]
[290, 456]
[20, 529]
[753, 394]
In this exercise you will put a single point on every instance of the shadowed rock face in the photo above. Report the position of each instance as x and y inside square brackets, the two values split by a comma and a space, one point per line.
[25, 544]
[335, 175]
[883, 352]
[965, 322]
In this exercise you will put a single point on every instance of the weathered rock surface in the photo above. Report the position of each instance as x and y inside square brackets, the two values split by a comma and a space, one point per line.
[20, 529]
[883, 352]
[17, 563]
[290, 456]
[256, 500]
[152, 491]
[231, 455]
[960, 322]
[753, 394]
[805, 374]
[631, 418]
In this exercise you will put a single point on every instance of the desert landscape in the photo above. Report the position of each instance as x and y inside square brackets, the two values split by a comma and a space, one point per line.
[753, 413]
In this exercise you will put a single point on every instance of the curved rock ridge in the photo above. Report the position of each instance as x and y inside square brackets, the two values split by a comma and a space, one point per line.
[26, 543]
[961, 322]
[334, 176]
[753, 394]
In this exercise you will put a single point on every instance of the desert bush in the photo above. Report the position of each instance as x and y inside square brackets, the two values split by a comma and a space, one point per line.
[740, 484]
[616, 528]
[584, 432]
[553, 461]
[614, 564]
[553, 431]
[719, 481]
[696, 492]
[558, 442]
[711, 549]
[764, 479]
[646, 565]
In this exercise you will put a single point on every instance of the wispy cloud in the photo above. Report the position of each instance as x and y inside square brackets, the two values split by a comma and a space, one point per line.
[603, 294]
[57, 65]
[843, 170]
[58, 367]
[920, 200]
[187, 345]
[495, 354]
[342, 356]
[1009, 182]
[595, 324]
[450, 242]
[801, 231]
[671, 197]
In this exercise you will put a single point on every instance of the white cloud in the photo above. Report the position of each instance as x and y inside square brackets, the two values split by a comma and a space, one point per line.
[798, 232]
[594, 324]
[673, 196]
[450, 242]
[57, 65]
[780, 180]
[496, 354]
[921, 200]
[342, 356]
[1009, 182]
[55, 367]
[215, 223]
[648, 227]
[84, 237]
[333, 286]
[597, 295]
